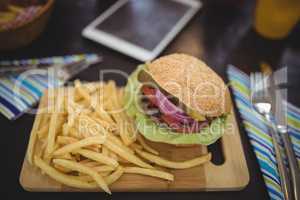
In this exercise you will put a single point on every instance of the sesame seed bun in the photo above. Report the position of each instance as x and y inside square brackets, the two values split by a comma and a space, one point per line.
[195, 84]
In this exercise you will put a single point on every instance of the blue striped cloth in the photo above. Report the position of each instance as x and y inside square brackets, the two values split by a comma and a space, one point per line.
[14, 101]
[257, 130]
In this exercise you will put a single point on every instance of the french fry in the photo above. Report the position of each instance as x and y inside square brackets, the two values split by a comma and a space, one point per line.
[90, 127]
[73, 132]
[132, 132]
[93, 87]
[124, 154]
[104, 174]
[111, 89]
[118, 142]
[114, 176]
[56, 146]
[83, 169]
[122, 160]
[113, 156]
[69, 124]
[146, 146]
[75, 108]
[89, 179]
[60, 121]
[149, 172]
[62, 169]
[104, 168]
[136, 146]
[63, 140]
[85, 161]
[33, 138]
[43, 131]
[105, 151]
[98, 157]
[81, 91]
[61, 177]
[120, 94]
[66, 156]
[68, 98]
[39, 148]
[85, 178]
[39, 120]
[174, 165]
[110, 179]
[71, 119]
[130, 128]
[85, 105]
[80, 144]
[44, 120]
[123, 130]
[103, 114]
[66, 129]
[115, 112]
[91, 164]
[94, 148]
[53, 125]
[108, 126]
[127, 133]
[76, 157]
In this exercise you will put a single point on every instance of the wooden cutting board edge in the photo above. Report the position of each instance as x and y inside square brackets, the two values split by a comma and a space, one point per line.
[235, 163]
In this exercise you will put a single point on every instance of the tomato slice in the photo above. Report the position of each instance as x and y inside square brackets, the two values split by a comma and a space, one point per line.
[150, 94]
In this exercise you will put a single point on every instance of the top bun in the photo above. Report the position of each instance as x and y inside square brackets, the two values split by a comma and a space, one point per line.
[190, 80]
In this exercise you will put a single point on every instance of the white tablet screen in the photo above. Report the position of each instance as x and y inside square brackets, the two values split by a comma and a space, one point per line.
[144, 23]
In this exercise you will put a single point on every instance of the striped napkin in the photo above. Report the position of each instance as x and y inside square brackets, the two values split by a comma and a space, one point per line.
[12, 103]
[257, 130]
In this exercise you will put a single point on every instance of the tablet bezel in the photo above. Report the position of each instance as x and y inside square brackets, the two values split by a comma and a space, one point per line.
[130, 49]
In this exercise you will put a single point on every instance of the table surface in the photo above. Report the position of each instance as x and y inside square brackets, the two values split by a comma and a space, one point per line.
[219, 34]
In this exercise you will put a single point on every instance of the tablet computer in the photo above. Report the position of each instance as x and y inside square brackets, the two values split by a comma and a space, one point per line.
[141, 28]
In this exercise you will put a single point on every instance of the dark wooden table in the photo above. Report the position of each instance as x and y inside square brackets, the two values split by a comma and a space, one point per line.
[218, 34]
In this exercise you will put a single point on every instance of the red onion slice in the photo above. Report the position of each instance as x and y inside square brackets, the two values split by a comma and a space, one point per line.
[168, 108]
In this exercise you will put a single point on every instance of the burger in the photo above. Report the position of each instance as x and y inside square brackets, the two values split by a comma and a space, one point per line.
[177, 99]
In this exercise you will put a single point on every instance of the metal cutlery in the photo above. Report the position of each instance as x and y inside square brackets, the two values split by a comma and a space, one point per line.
[16, 69]
[66, 72]
[261, 99]
[280, 95]
[61, 72]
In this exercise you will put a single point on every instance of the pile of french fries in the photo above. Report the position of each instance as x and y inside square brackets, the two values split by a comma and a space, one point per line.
[82, 138]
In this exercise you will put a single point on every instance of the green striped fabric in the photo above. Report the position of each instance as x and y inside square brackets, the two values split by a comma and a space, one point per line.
[17, 95]
[257, 130]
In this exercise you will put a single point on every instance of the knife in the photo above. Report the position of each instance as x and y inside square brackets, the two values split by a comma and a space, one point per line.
[65, 72]
[279, 77]
[58, 72]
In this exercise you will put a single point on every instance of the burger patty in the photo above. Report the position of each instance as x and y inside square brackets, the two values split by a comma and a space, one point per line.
[150, 106]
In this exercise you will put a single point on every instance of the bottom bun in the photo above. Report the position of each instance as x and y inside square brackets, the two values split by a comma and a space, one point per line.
[187, 145]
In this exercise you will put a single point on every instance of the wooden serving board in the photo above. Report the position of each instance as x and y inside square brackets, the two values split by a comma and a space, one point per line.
[231, 175]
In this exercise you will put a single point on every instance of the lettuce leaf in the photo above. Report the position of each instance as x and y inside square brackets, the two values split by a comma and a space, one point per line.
[152, 131]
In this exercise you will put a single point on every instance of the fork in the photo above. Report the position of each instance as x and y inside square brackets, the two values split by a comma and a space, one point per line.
[261, 99]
